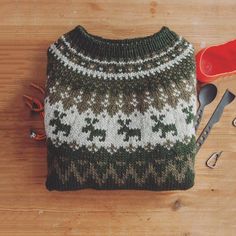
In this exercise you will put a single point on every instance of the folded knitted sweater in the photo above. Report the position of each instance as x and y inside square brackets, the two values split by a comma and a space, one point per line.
[120, 113]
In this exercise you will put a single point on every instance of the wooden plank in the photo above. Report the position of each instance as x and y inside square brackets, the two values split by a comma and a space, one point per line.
[26, 207]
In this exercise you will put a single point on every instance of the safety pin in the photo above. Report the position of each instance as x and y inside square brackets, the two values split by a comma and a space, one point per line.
[211, 161]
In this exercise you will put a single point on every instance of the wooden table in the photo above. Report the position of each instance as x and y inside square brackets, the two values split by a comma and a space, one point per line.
[26, 207]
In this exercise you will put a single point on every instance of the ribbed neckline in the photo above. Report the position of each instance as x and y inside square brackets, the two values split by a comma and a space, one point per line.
[136, 47]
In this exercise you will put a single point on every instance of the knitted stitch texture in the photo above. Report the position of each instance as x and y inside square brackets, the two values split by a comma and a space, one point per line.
[120, 113]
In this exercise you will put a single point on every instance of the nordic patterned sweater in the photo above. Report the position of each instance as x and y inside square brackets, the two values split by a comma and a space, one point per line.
[120, 113]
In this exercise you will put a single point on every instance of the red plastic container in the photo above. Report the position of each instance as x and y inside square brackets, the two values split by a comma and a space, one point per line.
[215, 61]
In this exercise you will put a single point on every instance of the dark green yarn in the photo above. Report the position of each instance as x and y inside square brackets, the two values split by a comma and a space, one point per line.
[121, 160]
[159, 126]
[122, 124]
[127, 86]
[59, 126]
[129, 132]
[93, 131]
[129, 48]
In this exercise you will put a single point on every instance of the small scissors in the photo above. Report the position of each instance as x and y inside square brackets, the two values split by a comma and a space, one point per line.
[211, 161]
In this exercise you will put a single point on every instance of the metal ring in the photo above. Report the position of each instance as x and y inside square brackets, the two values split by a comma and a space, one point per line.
[234, 122]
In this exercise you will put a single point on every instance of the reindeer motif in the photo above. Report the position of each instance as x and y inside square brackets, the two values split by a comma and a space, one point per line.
[129, 132]
[60, 126]
[93, 131]
[164, 128]
[189, 114]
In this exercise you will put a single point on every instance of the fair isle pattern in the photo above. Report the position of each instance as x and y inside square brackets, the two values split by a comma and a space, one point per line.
[147, 128]
[119, 114]
[120, 75]
[81, 177]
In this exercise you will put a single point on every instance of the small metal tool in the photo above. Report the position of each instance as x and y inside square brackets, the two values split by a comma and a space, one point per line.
[227, 98]
[211, 161]
[206, 95]
[234, 122]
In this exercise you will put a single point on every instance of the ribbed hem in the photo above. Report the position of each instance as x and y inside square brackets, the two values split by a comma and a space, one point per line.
[79, 169]
[98, 46]
[52, 184]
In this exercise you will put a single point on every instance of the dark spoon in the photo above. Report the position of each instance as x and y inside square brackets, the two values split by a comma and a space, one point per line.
[206, 95]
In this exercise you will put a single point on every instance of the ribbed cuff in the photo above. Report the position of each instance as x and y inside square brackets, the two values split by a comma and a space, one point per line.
[126, 48]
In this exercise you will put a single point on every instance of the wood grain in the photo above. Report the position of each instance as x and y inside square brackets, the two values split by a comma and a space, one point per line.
[26, 207]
